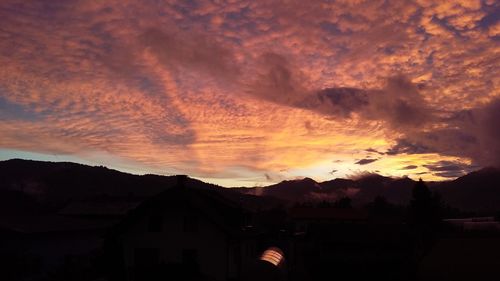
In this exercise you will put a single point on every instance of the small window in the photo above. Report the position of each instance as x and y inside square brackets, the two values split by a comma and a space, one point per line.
[155, 223]
[190, 224]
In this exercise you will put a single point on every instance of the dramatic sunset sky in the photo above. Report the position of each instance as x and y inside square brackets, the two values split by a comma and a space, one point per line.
[253, 92]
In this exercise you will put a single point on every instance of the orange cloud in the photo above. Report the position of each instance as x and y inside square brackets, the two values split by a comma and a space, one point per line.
[234, 90]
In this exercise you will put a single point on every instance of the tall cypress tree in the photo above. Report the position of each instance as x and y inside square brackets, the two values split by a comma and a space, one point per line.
[421, 205]
[424, 214]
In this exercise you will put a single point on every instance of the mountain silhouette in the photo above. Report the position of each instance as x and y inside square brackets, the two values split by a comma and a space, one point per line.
[479, 190]
[38, 185]
[31, 186]
[288, 190]
[363, 189]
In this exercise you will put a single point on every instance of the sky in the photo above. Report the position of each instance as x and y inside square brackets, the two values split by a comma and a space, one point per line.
[249, 93]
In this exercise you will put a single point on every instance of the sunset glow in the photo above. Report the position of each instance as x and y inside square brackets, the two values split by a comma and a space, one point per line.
[245, 93]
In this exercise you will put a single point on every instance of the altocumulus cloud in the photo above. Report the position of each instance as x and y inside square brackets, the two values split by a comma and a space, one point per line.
[200, 86]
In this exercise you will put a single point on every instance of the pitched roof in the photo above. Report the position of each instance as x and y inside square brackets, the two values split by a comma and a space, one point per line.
[226, 214]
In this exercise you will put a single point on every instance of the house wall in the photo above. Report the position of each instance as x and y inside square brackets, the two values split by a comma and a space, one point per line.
[209, 241]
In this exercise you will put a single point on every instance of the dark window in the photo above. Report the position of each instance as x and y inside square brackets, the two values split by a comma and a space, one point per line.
[155, 223]
[146, 257]
[190, 257]
[190, 223]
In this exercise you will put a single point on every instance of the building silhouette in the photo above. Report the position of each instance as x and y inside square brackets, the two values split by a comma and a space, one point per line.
[185, 233]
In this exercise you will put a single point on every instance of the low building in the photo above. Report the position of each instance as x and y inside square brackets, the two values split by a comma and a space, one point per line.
[475, 224]
[35, 247]
[346, 243]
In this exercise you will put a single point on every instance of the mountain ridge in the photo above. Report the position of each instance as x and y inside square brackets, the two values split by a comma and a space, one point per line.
[56, 183]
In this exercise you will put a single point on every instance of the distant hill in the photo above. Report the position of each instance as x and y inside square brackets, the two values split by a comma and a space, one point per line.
[477, 191]
[28, 186]
[37, 185]
[52, 182]
[362, 190]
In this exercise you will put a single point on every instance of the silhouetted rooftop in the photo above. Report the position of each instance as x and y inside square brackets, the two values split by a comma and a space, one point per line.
[222, 211]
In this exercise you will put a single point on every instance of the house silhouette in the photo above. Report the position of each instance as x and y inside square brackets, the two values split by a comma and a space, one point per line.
[186, 233]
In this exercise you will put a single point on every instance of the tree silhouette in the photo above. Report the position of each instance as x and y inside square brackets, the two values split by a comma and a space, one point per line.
[343, 203]
[380, 206]
[425, 207]
[425, 214]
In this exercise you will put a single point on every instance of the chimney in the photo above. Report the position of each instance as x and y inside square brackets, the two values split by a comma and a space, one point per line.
[181, 181]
